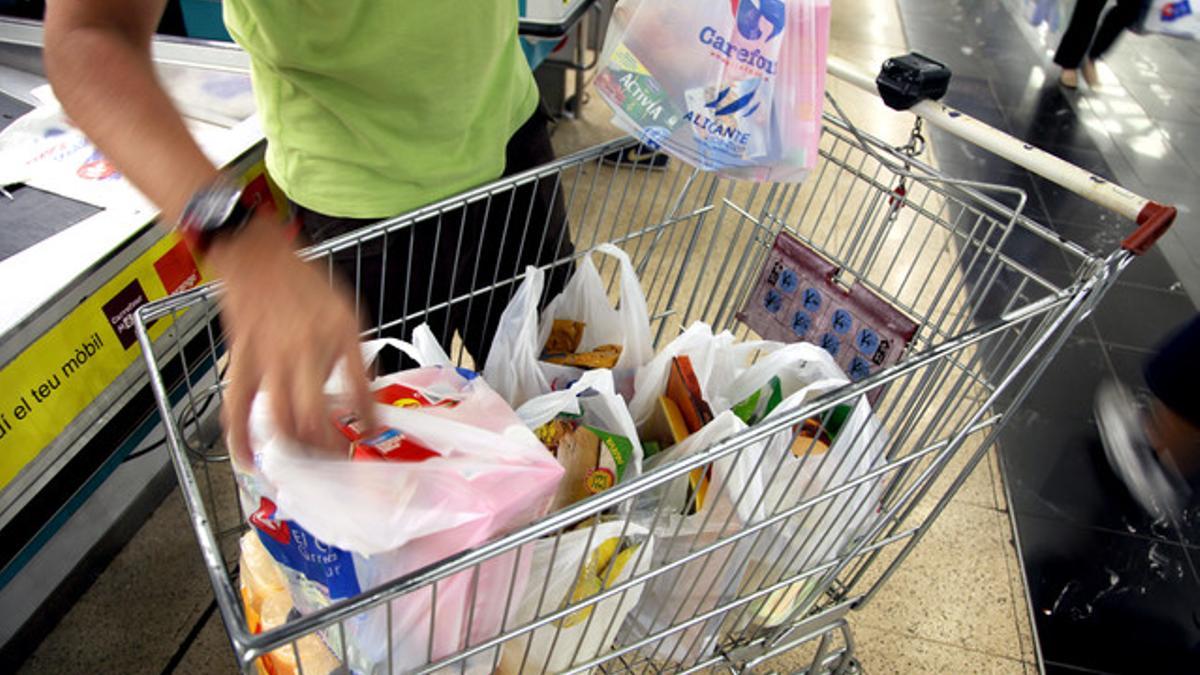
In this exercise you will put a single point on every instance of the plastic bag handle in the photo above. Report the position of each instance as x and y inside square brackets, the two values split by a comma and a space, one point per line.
[424, 348]
[633, 300]
[541, 409]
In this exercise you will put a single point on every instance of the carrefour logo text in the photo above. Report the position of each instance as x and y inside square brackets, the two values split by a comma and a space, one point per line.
[754, 58]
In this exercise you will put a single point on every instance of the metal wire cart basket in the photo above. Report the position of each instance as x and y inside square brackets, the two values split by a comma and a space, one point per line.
[955, 330]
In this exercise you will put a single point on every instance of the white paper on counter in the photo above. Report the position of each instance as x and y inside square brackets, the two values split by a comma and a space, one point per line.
[42, 270]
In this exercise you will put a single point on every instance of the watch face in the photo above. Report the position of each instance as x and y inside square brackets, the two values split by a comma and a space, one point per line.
[211, 208]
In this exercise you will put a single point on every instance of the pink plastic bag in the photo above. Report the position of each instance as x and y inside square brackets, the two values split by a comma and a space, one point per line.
[340, 527]
[734, 86]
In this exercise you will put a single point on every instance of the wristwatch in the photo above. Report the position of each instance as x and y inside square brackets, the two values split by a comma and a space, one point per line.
[217, 210]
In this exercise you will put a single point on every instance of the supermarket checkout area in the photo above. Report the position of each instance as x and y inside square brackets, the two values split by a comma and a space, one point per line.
[79, 252]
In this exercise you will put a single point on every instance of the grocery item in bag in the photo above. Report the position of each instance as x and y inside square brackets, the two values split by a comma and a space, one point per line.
[268, 605]
[820, 452]
[580, 564]
[588, 429]
[683, 524]
[730, 86]
[579, 331]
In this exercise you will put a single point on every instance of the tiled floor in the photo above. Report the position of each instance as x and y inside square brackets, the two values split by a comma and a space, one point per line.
[959, 604]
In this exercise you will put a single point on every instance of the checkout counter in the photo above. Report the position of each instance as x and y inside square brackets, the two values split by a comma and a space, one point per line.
[81, 464]
[79, 252]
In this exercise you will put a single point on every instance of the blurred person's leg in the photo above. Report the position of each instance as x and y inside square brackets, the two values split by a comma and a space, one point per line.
[1077, 39]
[1116, 20]
[1154, 446]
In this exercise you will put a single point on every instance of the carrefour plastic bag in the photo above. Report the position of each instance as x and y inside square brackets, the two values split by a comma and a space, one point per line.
[591, 404]
[574, 568]
[339, 527]
[734, 86]
[822, 453]
[516, 367]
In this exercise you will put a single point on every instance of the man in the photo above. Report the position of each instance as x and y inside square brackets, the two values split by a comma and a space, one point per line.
[371, 108]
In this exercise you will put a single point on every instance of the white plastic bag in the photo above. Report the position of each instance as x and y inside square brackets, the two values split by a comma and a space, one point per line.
[736, 87]
[712, 360]
[556, 568]
[819, 534]
[702, 584]
[800, 367]
[514, 368]
[42, 148]
[339, 528]
[1176, 18]
[593, 398]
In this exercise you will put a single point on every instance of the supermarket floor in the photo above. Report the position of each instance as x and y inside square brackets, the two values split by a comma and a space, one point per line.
[960, 603]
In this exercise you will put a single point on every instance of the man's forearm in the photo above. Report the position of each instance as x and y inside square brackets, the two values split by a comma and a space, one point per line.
[106, 82]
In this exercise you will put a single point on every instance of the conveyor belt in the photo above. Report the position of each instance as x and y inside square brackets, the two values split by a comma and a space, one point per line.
[33, 215]
[11, 109]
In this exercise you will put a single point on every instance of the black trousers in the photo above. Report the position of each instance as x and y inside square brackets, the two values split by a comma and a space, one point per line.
[1081, 33]
[455, 270]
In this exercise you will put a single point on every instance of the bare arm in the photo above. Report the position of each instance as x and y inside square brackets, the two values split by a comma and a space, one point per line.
[286, 326]
[98, 59]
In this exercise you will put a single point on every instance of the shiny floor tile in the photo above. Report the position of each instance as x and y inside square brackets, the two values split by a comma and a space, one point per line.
[1098, 593]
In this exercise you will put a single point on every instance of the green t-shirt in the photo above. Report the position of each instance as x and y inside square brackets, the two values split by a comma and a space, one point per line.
[374, 107]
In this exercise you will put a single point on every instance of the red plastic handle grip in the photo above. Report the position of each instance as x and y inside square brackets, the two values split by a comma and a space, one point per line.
[1153, 222]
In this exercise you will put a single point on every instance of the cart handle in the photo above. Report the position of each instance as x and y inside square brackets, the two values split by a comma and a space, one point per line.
[1153, 219]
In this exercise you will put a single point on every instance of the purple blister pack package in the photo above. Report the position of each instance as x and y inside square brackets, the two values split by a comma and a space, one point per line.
[798, 298]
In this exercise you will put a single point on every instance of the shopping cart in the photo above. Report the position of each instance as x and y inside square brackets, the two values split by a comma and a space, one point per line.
[948, 258]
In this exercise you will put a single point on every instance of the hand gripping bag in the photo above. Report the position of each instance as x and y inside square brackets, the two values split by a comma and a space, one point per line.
[338, 528]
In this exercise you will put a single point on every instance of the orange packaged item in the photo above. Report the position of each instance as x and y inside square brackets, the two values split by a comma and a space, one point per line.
[565, 337]
[684, 389]
[666, 425]
[268, 604]
[403, 396]
[811, 438]
[314, 655]
[384, 443]
[604, 356]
